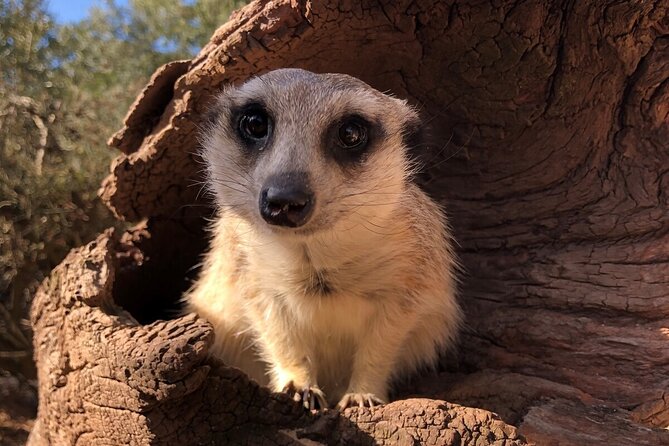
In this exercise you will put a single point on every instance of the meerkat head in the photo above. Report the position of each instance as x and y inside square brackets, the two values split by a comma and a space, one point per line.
[297, 152]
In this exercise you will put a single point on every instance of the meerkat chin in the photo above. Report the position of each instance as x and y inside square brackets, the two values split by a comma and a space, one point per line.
[330, 273]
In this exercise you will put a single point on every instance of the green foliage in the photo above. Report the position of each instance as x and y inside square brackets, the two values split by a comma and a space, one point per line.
[64, 90]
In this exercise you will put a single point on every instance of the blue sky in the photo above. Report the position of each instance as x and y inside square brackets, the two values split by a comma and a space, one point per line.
[67, 11]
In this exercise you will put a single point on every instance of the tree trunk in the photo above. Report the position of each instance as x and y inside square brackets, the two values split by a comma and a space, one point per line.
[553, 165]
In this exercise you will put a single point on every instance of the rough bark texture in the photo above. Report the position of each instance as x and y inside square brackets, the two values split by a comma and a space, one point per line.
[106, 379]
[553, 164]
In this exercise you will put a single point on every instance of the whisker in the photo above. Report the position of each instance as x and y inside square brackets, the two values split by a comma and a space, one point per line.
[456, 152]
[241, 191]
[440, 151]
[229, 180]
[372, 204]
[240, 170]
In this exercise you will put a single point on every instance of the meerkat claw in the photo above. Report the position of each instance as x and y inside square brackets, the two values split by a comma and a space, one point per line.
[311, 397]
[359, 400]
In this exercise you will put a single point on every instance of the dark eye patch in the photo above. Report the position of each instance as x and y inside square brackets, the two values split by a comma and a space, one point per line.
[351, 138]
[253, 125]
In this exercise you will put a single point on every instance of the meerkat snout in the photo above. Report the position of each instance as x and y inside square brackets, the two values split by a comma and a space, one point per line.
[330, 273]
[287, 200]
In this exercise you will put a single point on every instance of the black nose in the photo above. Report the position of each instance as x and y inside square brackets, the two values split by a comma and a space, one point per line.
[286, 200]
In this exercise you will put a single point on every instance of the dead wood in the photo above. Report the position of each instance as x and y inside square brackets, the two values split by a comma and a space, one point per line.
[551, 121]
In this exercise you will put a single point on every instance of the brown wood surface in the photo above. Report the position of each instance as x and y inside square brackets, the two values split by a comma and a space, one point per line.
[551, 155]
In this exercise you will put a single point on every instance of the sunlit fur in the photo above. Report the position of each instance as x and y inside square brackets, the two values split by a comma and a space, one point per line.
[381, 245]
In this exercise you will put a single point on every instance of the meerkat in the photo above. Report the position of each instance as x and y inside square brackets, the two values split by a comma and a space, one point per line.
[330, 273]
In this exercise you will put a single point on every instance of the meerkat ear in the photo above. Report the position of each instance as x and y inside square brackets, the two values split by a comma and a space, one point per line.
[212, 110]
[417, 140]
[414, 132]
[211, 114]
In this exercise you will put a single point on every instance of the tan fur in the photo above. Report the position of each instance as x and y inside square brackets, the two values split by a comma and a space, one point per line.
[381, 244]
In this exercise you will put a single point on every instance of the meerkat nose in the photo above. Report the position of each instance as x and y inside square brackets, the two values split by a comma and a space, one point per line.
[286, 200]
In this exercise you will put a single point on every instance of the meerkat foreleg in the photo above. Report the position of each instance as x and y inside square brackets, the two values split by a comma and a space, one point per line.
[377, 353]
[291, 368]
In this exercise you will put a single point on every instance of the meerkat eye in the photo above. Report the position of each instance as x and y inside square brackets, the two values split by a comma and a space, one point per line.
[254, 124]
[352, 134]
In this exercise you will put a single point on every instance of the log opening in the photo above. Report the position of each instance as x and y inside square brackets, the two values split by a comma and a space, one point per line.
[157, 262]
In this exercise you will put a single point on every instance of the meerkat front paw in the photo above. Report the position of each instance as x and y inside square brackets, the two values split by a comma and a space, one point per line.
[360, 400]
[311, 397]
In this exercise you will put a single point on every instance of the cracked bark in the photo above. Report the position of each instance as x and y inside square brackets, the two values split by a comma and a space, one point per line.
[555, 177]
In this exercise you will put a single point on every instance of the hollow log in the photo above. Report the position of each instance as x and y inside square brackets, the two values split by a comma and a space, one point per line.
[550, 122]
